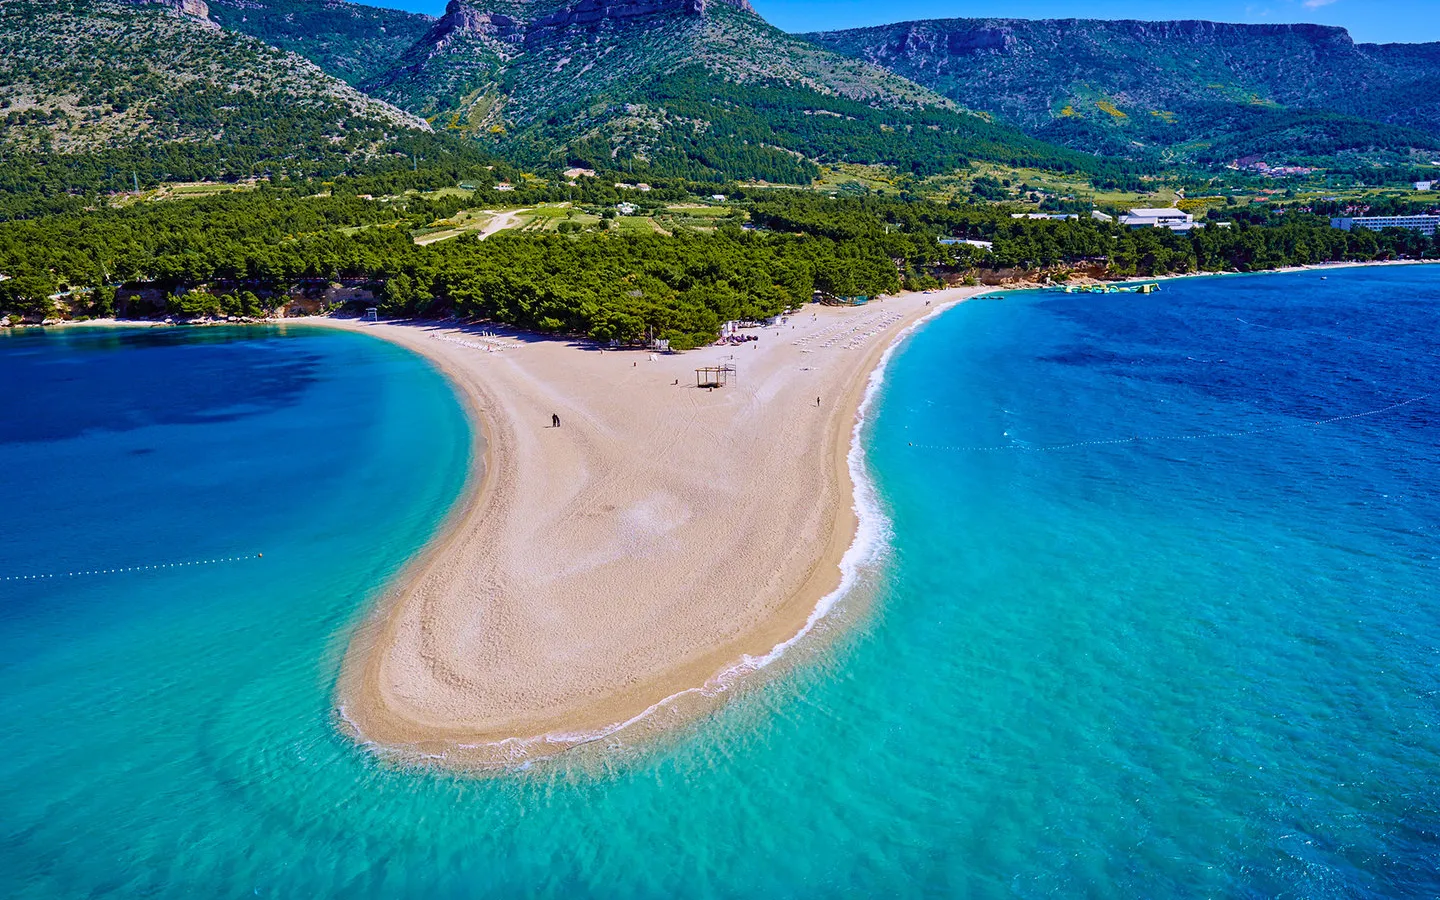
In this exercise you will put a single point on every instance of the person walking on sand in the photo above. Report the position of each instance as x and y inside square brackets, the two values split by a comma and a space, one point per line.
[554, 421]
[817, 401]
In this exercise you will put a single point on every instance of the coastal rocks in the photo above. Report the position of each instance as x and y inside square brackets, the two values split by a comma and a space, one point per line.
[1085, 273]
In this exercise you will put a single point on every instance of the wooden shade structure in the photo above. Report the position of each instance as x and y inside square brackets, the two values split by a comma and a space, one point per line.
[713, 376]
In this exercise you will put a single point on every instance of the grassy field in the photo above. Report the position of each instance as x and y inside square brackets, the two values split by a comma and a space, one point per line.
[550, 217]
[467, 221]
[1027, 187]
[848, 176]
[1025, 183]
[180, 190]
[448, 192]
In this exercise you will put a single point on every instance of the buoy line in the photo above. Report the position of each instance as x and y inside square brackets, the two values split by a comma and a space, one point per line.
[121, 570]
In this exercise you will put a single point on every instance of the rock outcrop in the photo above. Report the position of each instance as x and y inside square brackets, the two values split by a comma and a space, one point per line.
[464, 19]
[512, 21]
[195, 9]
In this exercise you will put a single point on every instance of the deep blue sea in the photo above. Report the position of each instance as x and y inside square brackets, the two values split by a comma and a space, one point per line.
[1159, 617]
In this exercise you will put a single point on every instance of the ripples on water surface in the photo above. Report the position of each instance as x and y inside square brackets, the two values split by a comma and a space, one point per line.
[1180, 666]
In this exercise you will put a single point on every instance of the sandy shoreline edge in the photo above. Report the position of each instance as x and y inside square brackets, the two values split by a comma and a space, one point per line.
[402, 715]
[428, 645]
[399, 684]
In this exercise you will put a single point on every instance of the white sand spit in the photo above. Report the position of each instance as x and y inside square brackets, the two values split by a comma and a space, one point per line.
[656, 538]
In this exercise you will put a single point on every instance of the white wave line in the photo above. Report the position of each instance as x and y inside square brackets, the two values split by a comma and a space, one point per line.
[1140, 439]
[121, 570]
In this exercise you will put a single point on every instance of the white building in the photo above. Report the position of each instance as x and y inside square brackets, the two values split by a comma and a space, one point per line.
[1424, 185]
[1423, 224]
[1174, 219]
[954, 242]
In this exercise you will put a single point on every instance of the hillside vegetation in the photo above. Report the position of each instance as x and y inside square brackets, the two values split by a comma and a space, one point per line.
[81, 75]
[1199, 90]
[347, 40]
[680, 88]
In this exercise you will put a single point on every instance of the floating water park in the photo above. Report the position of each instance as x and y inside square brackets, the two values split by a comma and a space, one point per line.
[1146, 288]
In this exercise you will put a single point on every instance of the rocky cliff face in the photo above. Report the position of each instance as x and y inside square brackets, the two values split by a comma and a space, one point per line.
[195, 9]
[592, 12]
[461, 18]
[962, 37]
[514, 20]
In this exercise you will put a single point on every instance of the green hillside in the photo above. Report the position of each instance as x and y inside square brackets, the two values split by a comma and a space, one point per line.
[681, 87]
[98, 96]
[87, 75]
[1198, 91]
[347, 40]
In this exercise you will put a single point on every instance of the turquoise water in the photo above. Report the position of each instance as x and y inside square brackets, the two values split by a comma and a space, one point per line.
[1185, 665]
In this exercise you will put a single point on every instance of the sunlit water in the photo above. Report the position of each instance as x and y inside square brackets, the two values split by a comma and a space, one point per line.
[1200, 663]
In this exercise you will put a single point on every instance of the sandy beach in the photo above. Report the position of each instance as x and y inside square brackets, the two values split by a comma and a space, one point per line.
[653, 546]
[646, 548]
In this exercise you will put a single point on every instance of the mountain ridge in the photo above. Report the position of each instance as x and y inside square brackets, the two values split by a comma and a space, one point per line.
[1154, 83]
[88, 75]
[540, 78]
[348, 40]
[707, 89]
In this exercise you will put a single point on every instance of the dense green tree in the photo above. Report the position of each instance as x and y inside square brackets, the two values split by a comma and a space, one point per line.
[244, 253]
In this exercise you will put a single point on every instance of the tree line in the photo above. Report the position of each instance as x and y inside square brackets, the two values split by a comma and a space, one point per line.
[243, 253]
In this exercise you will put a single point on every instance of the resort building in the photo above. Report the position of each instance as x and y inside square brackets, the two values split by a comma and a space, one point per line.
[1423, 224]
[955, 242]
[1173, 219]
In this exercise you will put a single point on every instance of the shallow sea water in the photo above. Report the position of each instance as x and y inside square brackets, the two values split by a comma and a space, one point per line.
[1088, 665]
